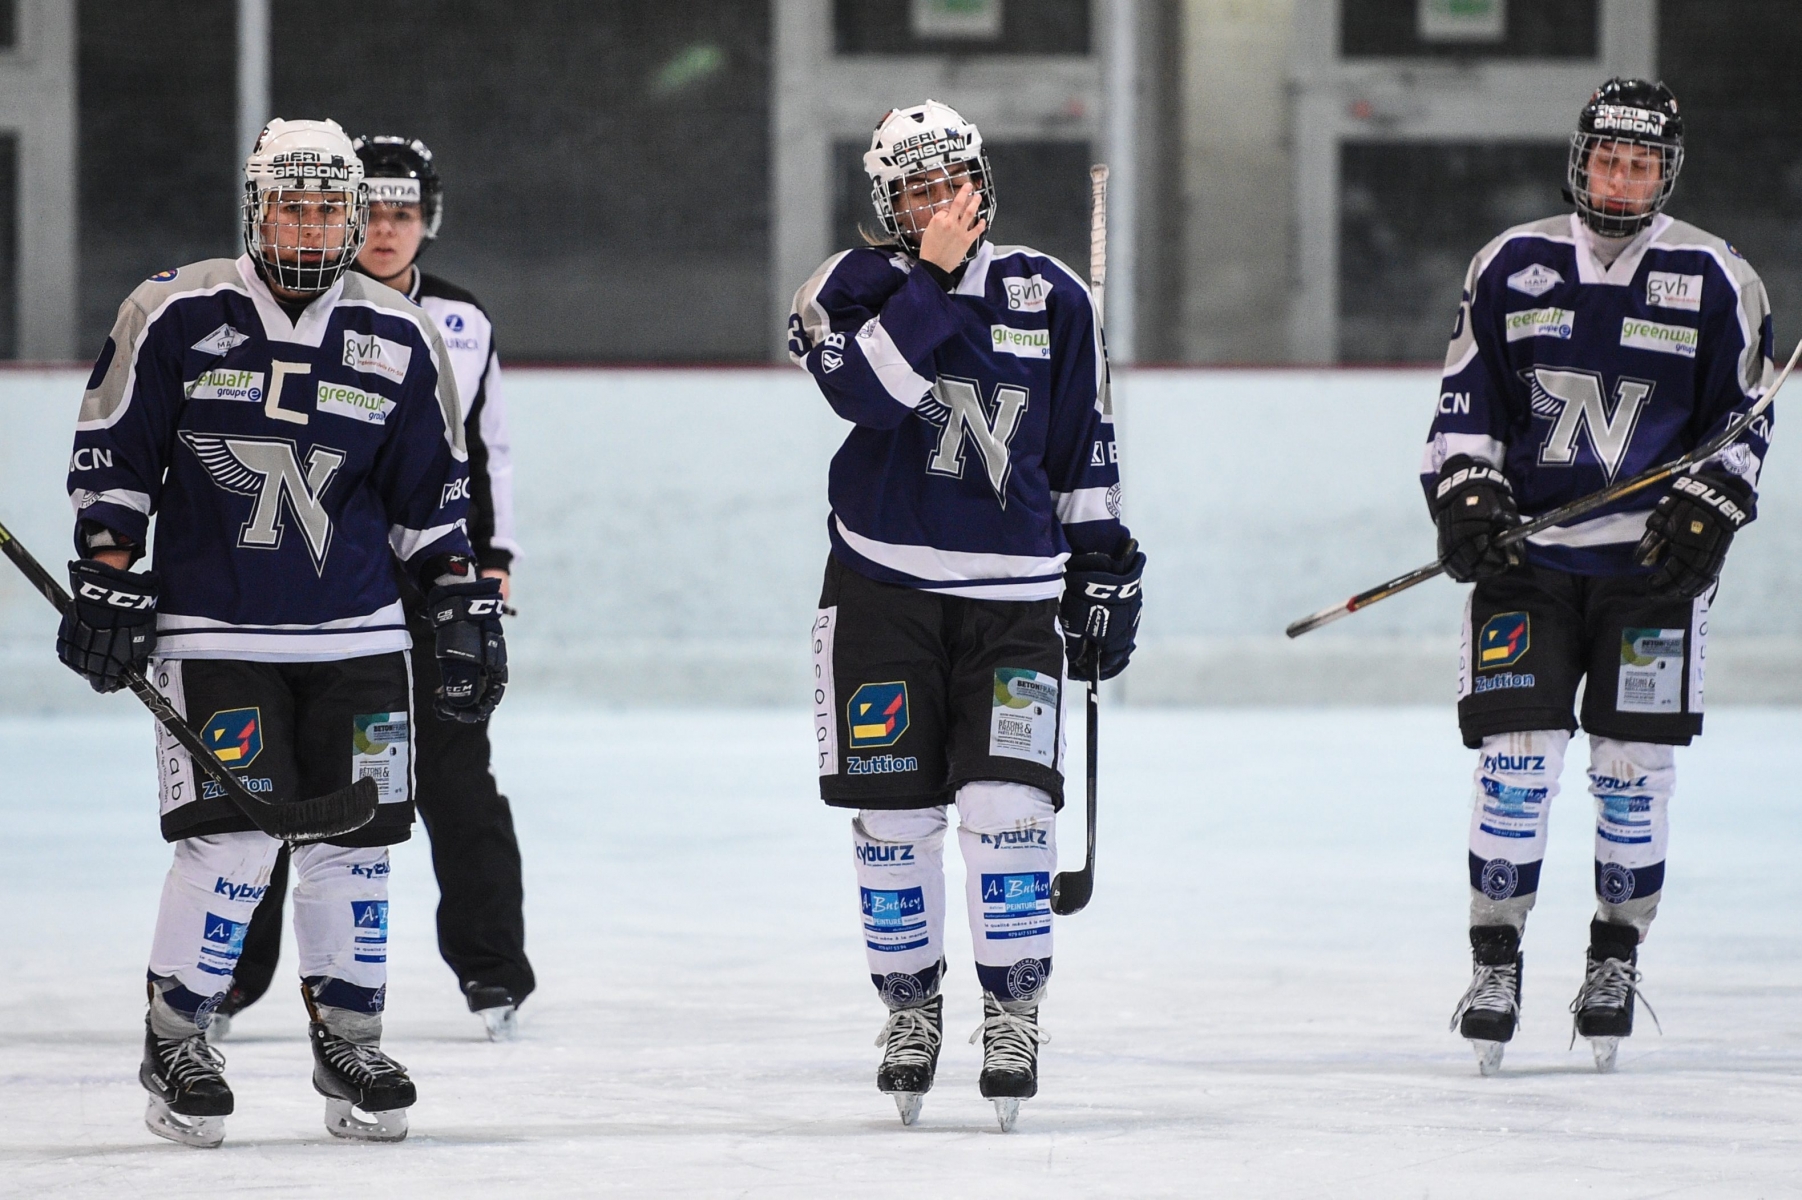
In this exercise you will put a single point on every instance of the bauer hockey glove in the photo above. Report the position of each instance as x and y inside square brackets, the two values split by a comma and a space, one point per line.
[1687, 535]
[1473, 503]
[1100, 610]
[471, 650]
[111, 626]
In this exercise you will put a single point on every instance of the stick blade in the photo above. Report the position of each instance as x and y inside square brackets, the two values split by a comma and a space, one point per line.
[331, 815]
[1070, 891]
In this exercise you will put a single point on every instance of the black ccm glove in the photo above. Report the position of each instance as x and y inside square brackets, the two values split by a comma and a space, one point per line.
[1687, 535]
[1100, 610]
[1472, 504]
[471, 650]
[111, 626]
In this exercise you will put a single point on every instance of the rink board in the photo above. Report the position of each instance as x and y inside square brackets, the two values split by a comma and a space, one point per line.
[1254, 1005]
[674, 522]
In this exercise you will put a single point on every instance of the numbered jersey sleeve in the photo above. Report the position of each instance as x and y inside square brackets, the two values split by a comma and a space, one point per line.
[128, 413]
[1082, 455]
[865, 326]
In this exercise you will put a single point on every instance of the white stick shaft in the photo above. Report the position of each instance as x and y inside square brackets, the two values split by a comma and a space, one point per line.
[1098, 234]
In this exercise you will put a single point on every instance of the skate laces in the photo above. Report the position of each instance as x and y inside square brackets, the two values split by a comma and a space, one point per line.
[1492, 989]
[190, 1059]
[910, 1037]
[365, 1064]
[1009, 1039]
[1607, 984]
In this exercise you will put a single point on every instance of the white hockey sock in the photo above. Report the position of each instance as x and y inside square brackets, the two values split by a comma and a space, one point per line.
[1008, 835]
[1632, 783]
[341, 924]
[1513, 788]
[901, 886]
[212, 887]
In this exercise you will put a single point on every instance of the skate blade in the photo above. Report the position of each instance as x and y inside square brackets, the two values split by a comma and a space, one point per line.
[1007, 1111]
[1605, 1049]
[202, 1133]
[1489, 1055]
[908, 1105]
[502, 1023]
[341, 1120]
[218, 1029]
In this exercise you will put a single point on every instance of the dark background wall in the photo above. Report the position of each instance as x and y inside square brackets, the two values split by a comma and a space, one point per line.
[1413, 214]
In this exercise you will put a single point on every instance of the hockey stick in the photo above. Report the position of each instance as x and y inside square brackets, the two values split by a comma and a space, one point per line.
[331, 815]
[1559, 516]
[1070, 890]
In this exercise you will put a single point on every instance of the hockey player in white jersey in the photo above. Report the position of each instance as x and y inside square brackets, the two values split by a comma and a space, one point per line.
[1589, 347]
[475, 854]
[978, 485]
[293, 429]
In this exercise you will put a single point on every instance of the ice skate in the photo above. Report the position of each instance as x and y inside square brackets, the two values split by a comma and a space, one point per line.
[1603, 1009]
[1010, 1036]
[495, 1005]
[355, 1077]
[1490, 1009]
[189, 1098]
[910, 1041]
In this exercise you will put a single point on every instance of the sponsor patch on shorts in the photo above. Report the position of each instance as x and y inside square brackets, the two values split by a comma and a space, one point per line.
[1501, 681]
[877, 715]
[379, 752]
[1505, 638]
[235, 736]
[1651, 678]
[1023, 717]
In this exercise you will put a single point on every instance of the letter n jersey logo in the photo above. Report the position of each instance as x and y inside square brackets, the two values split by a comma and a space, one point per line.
[969, 419]
[268, 469]
[1572, 401]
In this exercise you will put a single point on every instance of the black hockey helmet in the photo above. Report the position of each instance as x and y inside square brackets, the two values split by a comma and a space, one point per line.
[1624, 113]
[400, 171]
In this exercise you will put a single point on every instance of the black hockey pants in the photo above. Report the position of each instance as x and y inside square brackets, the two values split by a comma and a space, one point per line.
[481, 919]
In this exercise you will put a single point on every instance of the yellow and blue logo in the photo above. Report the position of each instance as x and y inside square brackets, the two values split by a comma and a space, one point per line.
[877, 715]
[235, 736]
[1504, 640]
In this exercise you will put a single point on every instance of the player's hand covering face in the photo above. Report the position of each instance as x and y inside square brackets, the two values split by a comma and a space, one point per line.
[941, 208]
[306, 228]
[1624, 177]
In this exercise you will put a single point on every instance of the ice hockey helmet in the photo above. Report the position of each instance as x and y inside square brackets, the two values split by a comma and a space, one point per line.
[924, 137]
[313, 157]
[1625, 111]
[401, 171]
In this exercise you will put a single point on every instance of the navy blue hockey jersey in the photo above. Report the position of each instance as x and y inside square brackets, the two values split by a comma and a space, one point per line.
[286, 461]
[983, 450]
[1571, 375]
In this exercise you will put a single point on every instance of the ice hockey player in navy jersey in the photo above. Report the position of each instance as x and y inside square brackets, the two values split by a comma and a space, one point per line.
[978, 485]
[1587, 348]
[475, 855]
[293, 429]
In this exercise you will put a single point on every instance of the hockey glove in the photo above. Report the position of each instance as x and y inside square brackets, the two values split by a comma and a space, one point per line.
[1472, 504]
[111, 626]
[471, 650]
[1100, 610]
[1687, 535]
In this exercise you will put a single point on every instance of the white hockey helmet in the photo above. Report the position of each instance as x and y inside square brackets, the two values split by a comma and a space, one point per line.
[918, 140]
[306, 205]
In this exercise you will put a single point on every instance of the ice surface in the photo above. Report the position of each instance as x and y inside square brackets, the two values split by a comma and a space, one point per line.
[1253, 1006]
